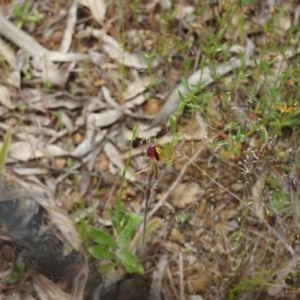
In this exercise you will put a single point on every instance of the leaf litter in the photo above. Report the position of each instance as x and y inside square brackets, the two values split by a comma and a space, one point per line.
[71, 110]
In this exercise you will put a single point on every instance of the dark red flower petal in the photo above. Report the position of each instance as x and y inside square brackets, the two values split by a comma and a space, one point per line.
[152, 153]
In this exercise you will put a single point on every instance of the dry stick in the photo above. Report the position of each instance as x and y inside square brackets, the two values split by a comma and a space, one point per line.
[79, 283]
[157, 278]
[71, 22]
[181, 276]
[170, 277]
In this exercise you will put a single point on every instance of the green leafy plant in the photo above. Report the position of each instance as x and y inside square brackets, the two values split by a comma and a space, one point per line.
[4, 150]
[23, 14]
[60, 121]
[17, 271]
[115, 250]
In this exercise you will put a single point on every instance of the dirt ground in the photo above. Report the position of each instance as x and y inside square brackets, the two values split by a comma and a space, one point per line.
[219, 80]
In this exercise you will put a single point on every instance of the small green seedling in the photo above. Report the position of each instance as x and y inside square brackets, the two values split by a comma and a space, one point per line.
[4, 150]
[24, 14]
[17, 272]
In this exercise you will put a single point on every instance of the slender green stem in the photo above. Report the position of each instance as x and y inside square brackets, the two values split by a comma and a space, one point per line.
[4, 150]
[123, 180]
[147, 199]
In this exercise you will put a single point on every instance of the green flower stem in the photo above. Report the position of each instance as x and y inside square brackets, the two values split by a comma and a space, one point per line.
[153, 171]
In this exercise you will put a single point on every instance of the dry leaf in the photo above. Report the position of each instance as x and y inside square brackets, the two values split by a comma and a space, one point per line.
[94, 103]
[72, 18]
[115, 159]
[14, 79]
[185, 194]
[144, 132]
[5, 99]
[25, 41]
[23, 171]
[48, 72]
[114, 156]
[137, 87]
[98, 9]
[157, 278]
[66, 120]
[257, 189]
[115, 51]
[23, 151]
[54, 150]
[183, 10]
[53, 102]
[136, 101]
[196, 297]
[79, 283]
[108, 97]
[282, 273]
[103, 119]
[285, 23]
[8, 53]
[237, 49]
[47, 289]
[83, 148]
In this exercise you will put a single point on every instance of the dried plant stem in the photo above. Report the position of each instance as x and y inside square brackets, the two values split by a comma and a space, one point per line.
[181, 276]
[79, 283]
[171, 280]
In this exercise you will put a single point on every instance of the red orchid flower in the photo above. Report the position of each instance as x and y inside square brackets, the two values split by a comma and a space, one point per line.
[157, 153]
